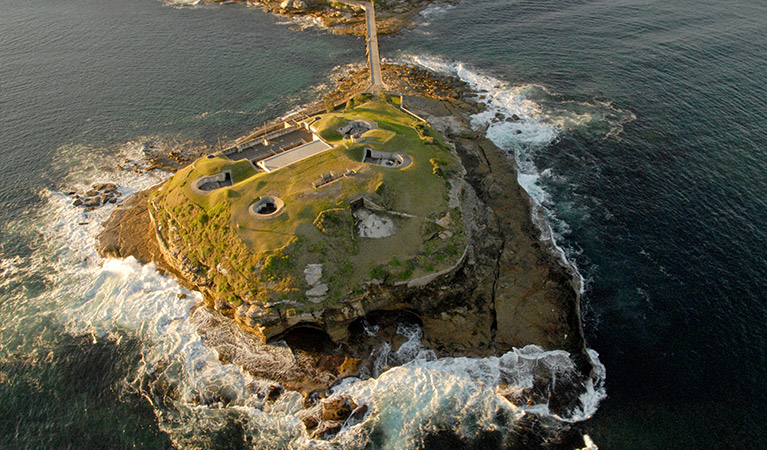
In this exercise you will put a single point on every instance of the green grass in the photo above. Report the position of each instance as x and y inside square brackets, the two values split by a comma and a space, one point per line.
[378, 136]
[265, 259]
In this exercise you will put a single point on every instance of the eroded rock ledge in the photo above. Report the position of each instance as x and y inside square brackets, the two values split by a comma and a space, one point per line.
[510, 290]
[391, 16]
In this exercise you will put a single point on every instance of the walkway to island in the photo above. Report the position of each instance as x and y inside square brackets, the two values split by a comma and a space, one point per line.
[374, 58]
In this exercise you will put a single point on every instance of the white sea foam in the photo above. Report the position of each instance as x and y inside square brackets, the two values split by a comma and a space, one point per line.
[520, 138]
[543, 118]
[459, 394]
[188, 4]
[304, 22]
[436, 9]
[430, 13]
[107, 299]
[183, 3]
[411, 401]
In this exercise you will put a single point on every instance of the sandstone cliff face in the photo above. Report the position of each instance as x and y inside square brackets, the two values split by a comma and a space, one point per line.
[530, 292]
[535, 295]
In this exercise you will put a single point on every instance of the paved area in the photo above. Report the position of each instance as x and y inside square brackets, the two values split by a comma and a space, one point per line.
[293, 156]
[256, 150]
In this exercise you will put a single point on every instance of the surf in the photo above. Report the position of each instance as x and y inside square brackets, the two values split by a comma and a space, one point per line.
[411, 394]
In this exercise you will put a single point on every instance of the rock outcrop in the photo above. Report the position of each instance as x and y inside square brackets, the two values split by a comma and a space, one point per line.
[391, 16]
[99, 194]
[325, 418]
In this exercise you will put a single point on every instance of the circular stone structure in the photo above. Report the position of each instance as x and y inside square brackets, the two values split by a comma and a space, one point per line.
[205, 184]
[267, 207]
[386, 159]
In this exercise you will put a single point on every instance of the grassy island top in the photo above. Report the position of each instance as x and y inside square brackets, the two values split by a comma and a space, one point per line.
[266, 258]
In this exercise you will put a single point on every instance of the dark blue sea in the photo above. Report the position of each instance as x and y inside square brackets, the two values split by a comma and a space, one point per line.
[643, 141]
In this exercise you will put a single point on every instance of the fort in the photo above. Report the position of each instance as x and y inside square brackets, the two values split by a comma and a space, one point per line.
[395, 176]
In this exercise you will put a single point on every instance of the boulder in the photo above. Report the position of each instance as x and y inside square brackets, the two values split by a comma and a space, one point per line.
[328, 429]
[110, 251]
[293, 4]
[338, 408]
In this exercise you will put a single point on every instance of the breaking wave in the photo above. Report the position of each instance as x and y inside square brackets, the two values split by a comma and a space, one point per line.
[184, 3]
[431, 12]
[303, 22]
[523, 119]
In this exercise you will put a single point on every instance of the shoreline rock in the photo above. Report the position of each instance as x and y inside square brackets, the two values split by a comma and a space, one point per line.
[391, 17]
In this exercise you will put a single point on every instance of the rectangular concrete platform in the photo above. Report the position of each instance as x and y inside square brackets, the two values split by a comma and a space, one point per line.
[294, 155]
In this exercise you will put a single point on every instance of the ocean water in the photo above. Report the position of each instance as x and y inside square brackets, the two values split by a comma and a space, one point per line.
[643, 143]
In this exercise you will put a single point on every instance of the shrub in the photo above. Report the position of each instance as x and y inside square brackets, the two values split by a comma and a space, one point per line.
[276, 266]
[333, 222]
[202, 219]
[442, 168]
[379, 273]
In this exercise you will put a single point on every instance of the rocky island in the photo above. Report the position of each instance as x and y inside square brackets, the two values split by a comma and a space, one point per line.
[323, 233]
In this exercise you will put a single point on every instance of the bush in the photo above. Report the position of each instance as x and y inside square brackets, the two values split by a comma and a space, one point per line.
[333, 222]
[202, 219]
[442, 168]
[276, 266]
[378, 273]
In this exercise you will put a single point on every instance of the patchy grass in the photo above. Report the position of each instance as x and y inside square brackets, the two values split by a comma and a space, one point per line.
[264, 259]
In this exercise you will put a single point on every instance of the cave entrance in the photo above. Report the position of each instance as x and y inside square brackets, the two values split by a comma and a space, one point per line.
[308, 337]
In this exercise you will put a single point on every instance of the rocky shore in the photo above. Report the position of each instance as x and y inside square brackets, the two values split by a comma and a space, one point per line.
[391, 16]
[511, 290]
